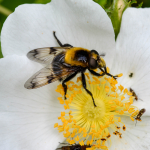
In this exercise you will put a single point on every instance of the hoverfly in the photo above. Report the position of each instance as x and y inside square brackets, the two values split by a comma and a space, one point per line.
[74, 147]
[134, 94]
[141, 112]
[63, 64]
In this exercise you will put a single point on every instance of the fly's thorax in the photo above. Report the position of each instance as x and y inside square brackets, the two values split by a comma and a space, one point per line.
[77, 56]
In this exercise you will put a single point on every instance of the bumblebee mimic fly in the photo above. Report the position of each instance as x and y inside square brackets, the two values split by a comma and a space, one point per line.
[134, 94]
[63, 64]
[141, 112]
[74, 147]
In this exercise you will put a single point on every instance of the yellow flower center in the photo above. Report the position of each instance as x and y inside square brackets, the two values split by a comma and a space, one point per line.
[94, 113]
[89, 125]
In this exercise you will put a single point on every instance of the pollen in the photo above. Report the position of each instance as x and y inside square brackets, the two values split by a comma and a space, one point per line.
[84, 124]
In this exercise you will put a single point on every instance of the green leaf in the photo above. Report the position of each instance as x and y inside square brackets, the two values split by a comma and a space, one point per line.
[5, 11]
[42, 1]
[140, 5]
[1, 56]
[101, 2]
[133, 2]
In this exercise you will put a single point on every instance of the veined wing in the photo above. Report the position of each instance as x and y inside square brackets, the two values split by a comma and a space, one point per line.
[46, 54]
[48, 75]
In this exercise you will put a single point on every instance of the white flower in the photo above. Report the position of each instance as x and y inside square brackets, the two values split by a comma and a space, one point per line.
[27, 117]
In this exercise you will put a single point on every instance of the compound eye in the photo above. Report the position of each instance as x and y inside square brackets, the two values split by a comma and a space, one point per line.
[93, 63]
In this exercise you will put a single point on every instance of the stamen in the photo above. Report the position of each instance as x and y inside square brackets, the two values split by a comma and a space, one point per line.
[89, 125]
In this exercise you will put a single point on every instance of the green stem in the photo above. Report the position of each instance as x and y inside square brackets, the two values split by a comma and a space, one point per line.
[5, 11]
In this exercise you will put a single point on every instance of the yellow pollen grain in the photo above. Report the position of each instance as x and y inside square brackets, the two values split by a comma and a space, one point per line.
[131, 110]
[62, 113]
[108, 70]
[125, 91]
[104, 147]
[120, 104]
[98, 88]
[66, 107]
[72, 142]
[112, 95]
[122, 97]
[131, 99]
[96, 79]
[119, 119]
[88, 148]
[120, 75]
[103, 82]
[135, 113]
[113, 89]
[68, 140]
[107, 88]
[87, 75]
[131, 118]
[79, 79]
[121, 88]
[60, 100]
[77, 138]
[66, 128]
[117, 95]
[59, 118]
[129, 93]
[55, 125]
[81, 143]
[88, 142]
[127, 106]
[121, 112]
[91, 142]
[85, 134]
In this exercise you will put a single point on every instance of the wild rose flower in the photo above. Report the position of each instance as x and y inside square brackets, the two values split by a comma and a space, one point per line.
[27, 117]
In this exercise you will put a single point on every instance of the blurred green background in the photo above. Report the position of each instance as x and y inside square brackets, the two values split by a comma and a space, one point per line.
[8, 6]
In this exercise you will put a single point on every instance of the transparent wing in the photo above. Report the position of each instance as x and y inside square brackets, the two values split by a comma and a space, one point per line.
[48, 75]
[45, 55]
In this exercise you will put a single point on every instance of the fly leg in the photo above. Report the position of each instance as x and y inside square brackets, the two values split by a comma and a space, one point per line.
[61, 45]
[84, 86]
[67, 79]
[115, 77]
[96, 74]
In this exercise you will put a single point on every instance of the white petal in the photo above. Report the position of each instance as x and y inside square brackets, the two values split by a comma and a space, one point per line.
[133, 51]
[27, 117]
[136, 136]
[79, 23]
